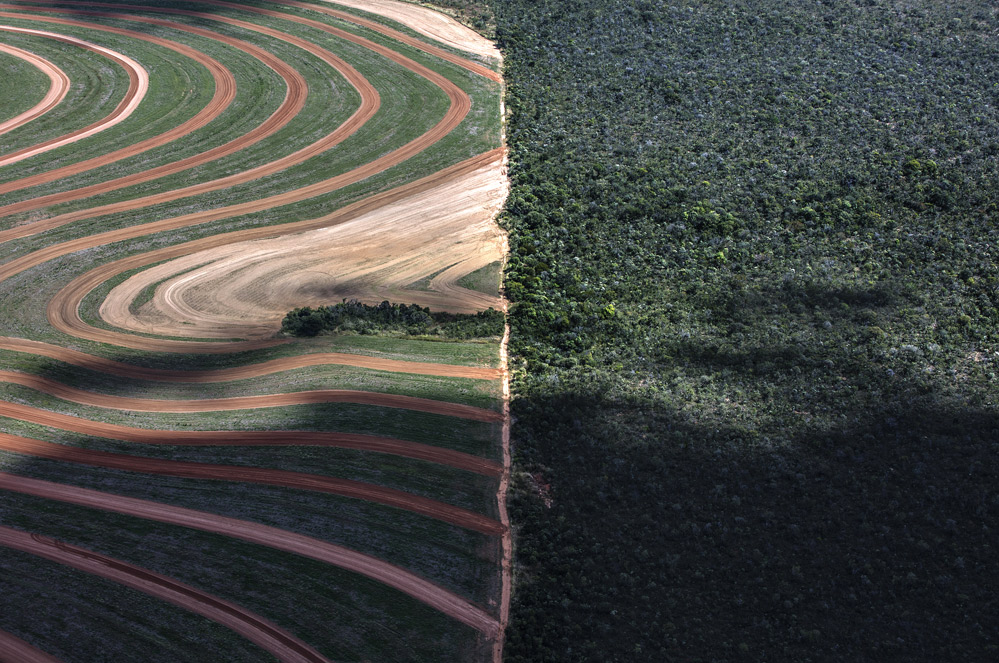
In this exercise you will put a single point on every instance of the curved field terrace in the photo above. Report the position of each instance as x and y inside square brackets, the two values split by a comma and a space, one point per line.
[178, 480]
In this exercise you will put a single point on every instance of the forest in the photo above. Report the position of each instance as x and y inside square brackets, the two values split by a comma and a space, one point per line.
[352, 316]
[754, 329]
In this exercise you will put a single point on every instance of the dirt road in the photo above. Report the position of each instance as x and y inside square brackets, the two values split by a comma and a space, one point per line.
[15, 650]
[138, 85]
[272, 537]
[63, 309]
[265, 476]
[281, 438]
[58, 87]
[258, 630]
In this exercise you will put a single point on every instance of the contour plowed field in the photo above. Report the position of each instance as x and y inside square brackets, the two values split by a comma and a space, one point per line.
[205, 168]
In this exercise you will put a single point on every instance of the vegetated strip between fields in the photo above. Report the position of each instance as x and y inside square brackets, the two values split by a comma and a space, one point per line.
[292, 105]
[460, 104]
[138, 85]
[58, 87]
[393, 576]
[392, 497]
[120, 369]
[396, 447]
[225, 92]
[311, 397]
[295, 96]
[253, 627]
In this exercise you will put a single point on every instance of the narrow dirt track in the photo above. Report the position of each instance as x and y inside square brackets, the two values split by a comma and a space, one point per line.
[295, 96]
[434, 33]
[313, 397]
[16, 650]
[58, 87]
[460, 105]
[138, 85]
[238, 438]
[260, 475]
[251, 626]
[119, 369]
[370, 103]
[63, 314]
[225, 92]
[405, 581]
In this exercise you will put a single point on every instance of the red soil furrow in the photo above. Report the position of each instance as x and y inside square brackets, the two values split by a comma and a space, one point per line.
[15, 650]
[393, 576]
[59, 86]
[279, 438]
[389, 32]
[313, 397]
[63, 308]
[138, 84]
[251, 626]
[119, 369]
[459, 107]
[368, 492]
[297, 91]
[370, 102]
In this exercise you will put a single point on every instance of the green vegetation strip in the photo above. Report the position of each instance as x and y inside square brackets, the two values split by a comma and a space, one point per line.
[460, 560]
[97, 85]
[368, 621]
[91, 619]
[29, 83]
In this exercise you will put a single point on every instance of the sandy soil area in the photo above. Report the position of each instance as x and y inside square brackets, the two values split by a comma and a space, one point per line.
[242, 290]
[430, 23]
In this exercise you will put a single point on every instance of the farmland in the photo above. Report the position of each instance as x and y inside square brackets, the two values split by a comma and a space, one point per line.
[177, 478]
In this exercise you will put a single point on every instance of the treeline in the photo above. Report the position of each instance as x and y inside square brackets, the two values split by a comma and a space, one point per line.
[755, 329]
[409, 319]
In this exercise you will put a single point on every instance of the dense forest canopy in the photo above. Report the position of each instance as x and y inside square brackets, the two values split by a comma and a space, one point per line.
[755, 329]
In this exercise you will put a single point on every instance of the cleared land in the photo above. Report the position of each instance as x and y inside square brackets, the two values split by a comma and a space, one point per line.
[156, 256]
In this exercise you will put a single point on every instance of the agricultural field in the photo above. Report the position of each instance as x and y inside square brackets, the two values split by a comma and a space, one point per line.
[754, 329]
[179, 479]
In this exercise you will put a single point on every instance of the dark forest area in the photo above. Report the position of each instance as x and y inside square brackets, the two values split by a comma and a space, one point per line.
[755, 329]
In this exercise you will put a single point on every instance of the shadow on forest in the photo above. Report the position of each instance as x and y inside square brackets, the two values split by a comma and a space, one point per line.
[844, 511]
